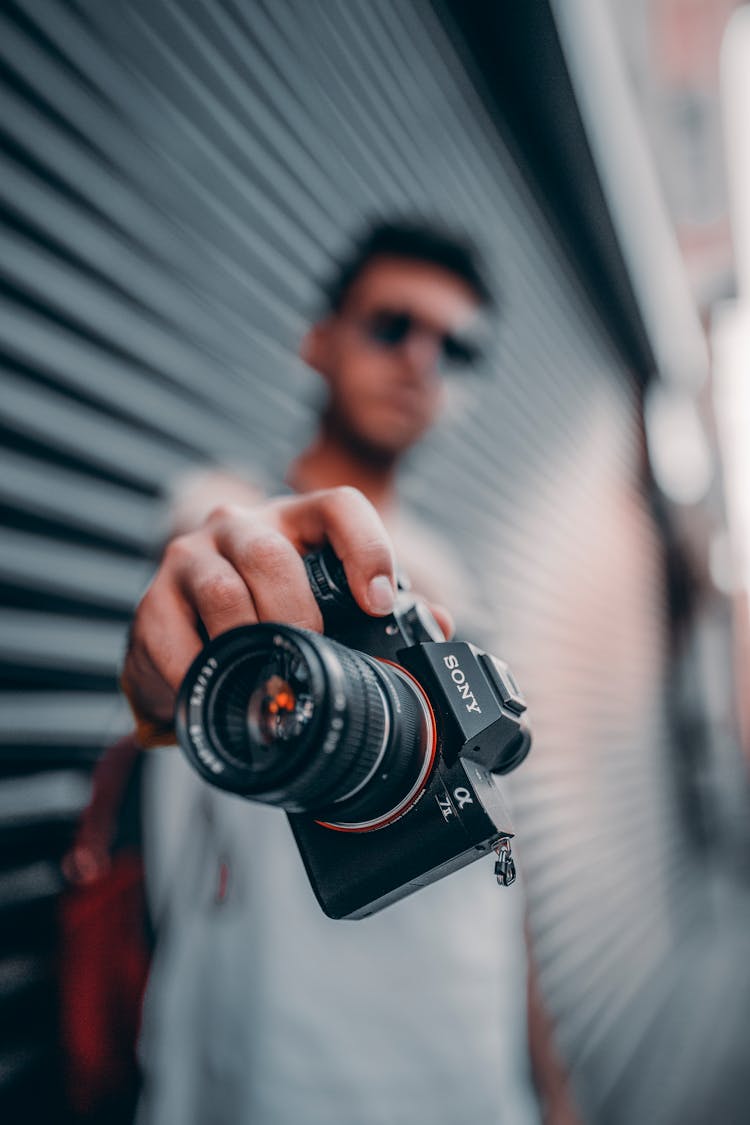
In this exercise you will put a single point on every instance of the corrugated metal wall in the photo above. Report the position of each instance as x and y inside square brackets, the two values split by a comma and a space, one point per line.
[175, 177]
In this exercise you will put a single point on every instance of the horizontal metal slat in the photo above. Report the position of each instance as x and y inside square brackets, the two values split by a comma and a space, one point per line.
[21, 974]
[80, 502]
[110, 381]
[55, 420]
[41, 798]
[84, 573]
[65, 720]
[34, 884]
[40, 640]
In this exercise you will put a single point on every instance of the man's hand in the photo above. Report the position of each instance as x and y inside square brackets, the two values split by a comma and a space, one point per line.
[241, 566]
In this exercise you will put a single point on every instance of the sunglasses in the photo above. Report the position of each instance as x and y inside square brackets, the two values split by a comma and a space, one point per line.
[390, 329]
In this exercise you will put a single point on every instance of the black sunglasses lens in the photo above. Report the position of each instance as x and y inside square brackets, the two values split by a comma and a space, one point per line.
[460, 353]
[390, 329]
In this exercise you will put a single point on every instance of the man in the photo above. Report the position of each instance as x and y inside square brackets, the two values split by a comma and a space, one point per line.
[260, 1009]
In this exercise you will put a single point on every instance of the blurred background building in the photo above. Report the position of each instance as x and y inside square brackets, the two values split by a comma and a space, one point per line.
[671, 50]
[175, 176]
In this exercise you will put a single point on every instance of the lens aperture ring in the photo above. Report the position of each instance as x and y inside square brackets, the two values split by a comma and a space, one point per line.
[408, 761]
[358, 735]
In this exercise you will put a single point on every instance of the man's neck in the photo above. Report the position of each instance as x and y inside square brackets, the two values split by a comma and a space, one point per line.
[328, 463]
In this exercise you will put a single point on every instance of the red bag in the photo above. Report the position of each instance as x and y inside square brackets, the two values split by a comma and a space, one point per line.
[105, 946]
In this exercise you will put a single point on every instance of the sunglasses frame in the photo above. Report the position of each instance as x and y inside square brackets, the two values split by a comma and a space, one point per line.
[391, 328]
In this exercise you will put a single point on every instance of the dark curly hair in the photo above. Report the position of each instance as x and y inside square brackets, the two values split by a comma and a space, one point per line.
[420, 242]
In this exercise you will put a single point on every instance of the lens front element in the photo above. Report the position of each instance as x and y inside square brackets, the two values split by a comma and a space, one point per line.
[280, 707]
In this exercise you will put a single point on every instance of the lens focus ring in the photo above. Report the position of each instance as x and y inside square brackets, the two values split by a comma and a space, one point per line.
[364, 723]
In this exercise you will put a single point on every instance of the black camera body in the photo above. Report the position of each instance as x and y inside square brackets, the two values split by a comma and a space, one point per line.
[381, 739]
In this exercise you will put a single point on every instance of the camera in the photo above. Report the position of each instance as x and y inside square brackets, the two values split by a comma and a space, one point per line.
[380, 739]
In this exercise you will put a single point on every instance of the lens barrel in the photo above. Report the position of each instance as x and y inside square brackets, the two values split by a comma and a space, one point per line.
[291, 718]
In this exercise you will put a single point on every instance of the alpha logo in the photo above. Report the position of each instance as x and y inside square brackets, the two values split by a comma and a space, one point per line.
[462, 684]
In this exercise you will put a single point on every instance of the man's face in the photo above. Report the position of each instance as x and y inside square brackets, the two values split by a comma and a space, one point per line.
[383, 354]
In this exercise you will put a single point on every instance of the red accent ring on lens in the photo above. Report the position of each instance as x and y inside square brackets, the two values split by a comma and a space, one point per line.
[390, 817]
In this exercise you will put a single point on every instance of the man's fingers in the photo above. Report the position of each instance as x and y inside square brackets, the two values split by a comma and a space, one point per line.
[217, 593]
[162, 646]
[272, 570]
[164, 636]
[357, 534]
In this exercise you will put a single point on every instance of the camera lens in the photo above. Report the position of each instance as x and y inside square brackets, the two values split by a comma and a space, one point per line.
[295, 719]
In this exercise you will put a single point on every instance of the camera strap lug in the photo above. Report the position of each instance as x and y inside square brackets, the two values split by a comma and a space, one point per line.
[505, 867]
